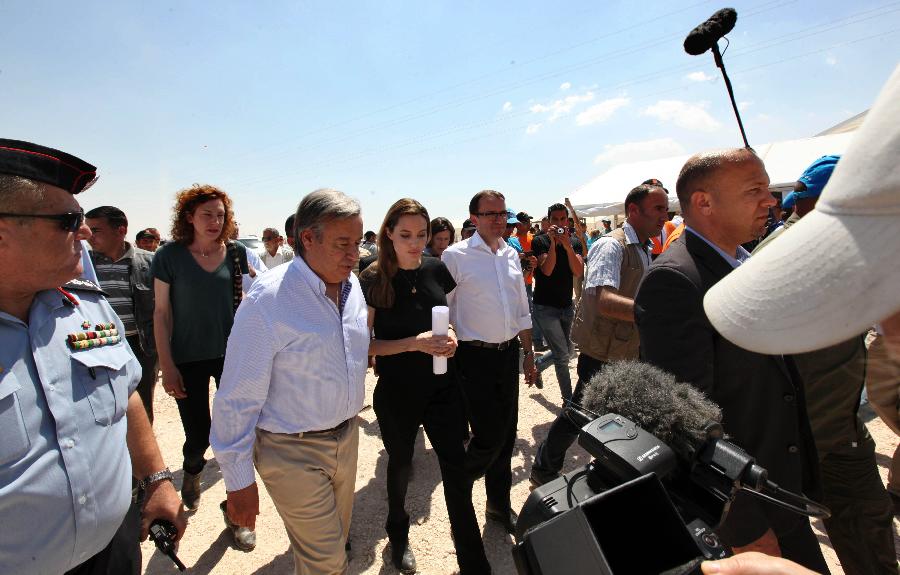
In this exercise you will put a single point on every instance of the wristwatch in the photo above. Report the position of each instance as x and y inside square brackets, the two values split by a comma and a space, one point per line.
[163, 475]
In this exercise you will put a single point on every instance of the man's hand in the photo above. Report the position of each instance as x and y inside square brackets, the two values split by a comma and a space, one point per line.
[767, 544]
[530, 370]
[243, 506]
[753, 564]
[161, 501]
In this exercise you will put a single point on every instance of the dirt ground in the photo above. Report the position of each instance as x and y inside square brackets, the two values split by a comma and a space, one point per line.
[206, 546]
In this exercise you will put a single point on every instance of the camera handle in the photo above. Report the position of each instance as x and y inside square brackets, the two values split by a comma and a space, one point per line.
[790, 501]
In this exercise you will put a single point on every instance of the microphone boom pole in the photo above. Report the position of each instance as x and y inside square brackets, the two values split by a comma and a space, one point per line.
[717, 56]
[706, 37]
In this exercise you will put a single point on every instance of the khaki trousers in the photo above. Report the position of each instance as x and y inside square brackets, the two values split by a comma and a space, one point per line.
[311, 479]
[883, 390]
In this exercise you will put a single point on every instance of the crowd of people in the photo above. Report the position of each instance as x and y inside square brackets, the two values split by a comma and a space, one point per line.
[288, 334]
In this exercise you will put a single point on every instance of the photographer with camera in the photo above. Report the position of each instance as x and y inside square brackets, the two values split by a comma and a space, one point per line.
[559, 256]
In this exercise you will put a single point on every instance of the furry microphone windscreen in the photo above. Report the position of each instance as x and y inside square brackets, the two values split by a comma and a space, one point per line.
[676, 413]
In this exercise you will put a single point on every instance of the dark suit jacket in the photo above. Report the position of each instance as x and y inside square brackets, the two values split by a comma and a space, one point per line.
[761, 396]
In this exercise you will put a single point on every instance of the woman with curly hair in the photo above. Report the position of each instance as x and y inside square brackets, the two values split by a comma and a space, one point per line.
[197, 283]
[442, 233]
[401, 288]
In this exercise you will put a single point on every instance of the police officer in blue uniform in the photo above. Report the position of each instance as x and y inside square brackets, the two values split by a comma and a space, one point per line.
[72, 431]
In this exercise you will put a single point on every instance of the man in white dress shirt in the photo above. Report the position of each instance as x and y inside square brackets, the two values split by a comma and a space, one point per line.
[489, 310]
[275, 252]
[293, 383]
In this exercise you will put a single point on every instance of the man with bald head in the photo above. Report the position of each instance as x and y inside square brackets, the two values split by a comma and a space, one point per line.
[725, 200]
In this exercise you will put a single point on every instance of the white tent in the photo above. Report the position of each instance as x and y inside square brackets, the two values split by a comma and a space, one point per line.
[785, 161]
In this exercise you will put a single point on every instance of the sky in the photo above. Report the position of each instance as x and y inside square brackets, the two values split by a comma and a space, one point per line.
[432, 100]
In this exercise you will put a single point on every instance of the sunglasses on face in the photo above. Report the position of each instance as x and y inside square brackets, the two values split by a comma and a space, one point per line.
[69, 221]
[269, 238]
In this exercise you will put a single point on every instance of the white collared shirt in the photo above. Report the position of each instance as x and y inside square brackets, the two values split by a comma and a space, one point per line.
[294, 363]
[282, 255]
[489, 302]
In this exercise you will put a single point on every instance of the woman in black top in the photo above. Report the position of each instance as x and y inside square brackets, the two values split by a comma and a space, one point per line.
[401, 288]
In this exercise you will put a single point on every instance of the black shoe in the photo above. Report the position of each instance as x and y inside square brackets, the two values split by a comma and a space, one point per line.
[540, 347]
[507, 519]
[404, 560]
[538, 478]
[190, 490]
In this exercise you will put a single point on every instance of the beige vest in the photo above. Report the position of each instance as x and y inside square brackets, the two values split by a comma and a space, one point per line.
[601, 337]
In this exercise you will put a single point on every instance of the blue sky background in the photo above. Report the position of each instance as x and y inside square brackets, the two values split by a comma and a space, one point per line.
[432, 100]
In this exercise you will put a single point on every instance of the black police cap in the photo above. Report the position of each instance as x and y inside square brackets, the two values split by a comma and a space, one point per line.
[45, 165]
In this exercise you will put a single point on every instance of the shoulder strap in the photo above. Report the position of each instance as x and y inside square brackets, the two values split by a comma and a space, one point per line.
[237, 279]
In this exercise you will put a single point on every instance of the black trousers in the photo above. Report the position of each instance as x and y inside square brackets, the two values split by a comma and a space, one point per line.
[194, 409]
[122, 556]
[861, 522]
[148, 375]
[489, 379]
[551, 453]
[401, 404]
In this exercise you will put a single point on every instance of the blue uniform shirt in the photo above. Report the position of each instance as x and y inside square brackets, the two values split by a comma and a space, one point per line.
[65, 472]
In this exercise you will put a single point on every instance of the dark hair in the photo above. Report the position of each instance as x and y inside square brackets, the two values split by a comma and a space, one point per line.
[439, 225]
[289, 226]
[369, 235]
[557, 207]
[113, 216]
[186, 202]
[637, 194]
[146, 233]
[476, 199]
[700, 167]
[382, 272]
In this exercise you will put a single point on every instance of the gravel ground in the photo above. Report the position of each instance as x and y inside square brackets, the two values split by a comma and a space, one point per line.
[206, 547]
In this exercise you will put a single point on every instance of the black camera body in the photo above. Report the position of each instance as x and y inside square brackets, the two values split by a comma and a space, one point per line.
[628, 511]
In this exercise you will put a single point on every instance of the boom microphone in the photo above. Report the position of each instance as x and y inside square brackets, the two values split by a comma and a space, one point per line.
[689, 423]
[708, 33]
[705, 37]
[676, 413]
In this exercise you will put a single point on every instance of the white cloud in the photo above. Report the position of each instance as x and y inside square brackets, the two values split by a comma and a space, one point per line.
[637, 151]
[565, 86]
[831, 60]
[533, 128]
[700, 76]
[601, 112]
[744, 105]
[684, 115]
[559, 108]
[507, 106]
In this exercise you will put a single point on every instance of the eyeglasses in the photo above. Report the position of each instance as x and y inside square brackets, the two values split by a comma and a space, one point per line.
[495, 215]
[269, 238]
[69, 221]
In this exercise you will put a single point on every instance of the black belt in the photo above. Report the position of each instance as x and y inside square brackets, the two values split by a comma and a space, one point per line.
[334, 429]
[488, 345]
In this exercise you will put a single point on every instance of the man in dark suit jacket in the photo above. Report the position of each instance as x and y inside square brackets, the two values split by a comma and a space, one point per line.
[725, 201]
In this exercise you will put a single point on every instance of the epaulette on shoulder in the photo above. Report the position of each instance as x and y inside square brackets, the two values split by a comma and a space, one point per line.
[81, 284]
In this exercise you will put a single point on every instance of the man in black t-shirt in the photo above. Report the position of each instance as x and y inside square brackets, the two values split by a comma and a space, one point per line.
[559, 256]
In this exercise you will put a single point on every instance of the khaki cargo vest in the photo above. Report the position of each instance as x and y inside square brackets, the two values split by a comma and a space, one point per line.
[601, 337]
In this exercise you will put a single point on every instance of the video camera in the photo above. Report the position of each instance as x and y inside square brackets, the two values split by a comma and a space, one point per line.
[637, 508]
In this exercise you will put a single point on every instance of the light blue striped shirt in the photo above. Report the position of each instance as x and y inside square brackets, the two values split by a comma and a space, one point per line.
[604, 261]
[295, 362]
[740, 256]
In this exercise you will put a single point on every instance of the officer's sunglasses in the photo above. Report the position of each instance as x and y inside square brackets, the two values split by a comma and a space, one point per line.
[70, 221]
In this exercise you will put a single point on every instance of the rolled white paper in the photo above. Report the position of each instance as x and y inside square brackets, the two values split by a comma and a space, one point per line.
[440, 325]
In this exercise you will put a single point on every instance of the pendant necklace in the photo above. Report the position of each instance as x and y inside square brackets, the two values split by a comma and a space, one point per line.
[412, 284]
